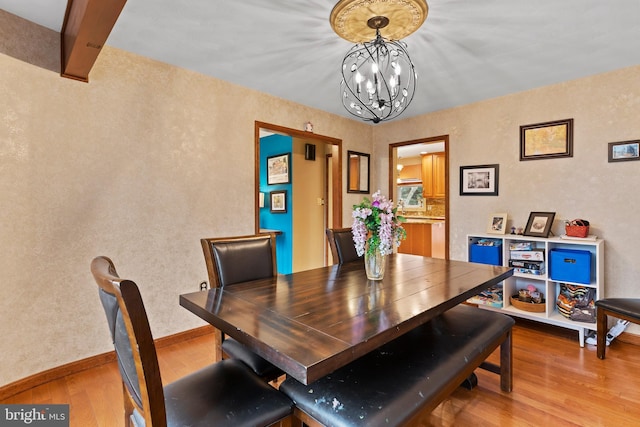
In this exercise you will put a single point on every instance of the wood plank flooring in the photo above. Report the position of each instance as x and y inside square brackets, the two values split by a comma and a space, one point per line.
[555, 383]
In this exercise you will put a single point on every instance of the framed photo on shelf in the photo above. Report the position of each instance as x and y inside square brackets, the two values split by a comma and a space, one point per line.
[539, 224]
[479, 180]
[278, 201]
[497, 223]
[278, 170]
[624, 151]
[546, 140]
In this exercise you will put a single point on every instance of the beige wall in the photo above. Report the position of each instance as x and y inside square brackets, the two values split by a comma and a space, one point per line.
[146, 159]
[138, 164]
[605, 108]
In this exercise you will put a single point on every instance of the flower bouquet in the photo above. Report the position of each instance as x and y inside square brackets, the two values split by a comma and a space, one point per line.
[376, 230]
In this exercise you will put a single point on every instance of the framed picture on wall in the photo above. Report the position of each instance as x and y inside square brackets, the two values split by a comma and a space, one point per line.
[278, 201]
[278, 170]
[624, 151]
[479, 180]
[546, 140]
[539, 224]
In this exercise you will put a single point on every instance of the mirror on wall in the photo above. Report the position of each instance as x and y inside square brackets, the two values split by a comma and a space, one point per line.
[357, 172]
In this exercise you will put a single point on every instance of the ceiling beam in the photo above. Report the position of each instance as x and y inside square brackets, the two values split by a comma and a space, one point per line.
[87, 24]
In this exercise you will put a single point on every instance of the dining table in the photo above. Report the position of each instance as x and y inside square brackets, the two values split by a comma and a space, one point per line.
[310, 323]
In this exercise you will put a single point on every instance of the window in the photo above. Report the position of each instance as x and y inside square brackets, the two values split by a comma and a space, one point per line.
[410, 196]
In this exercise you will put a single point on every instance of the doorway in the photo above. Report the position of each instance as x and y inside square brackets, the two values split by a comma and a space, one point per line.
[315, 184]
[419, 182]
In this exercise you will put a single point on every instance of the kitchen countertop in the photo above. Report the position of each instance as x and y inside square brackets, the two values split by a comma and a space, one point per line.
[424, 219]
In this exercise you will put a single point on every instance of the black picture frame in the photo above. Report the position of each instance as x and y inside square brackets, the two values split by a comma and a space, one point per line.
[480, 180]
[624, 151]
[539, 224]
[546, 140]
[358, 172]
[278, 201]
[279, 169]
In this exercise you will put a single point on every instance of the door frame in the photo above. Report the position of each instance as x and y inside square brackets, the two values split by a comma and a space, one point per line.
[336, 170]
[392, 177]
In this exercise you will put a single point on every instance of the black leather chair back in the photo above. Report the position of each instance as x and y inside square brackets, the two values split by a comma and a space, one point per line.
[342, 247]
[239, 259]
[133, 342]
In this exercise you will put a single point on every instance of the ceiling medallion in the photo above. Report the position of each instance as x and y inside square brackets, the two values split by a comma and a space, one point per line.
[378, 76]
[349, 18]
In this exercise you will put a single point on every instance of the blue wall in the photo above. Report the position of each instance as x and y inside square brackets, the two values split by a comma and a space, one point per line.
[271, 146]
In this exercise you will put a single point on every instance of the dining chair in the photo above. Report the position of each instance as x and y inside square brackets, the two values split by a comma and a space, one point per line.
[225, 393]
[342, 247]
[232, 260]
[627, 309]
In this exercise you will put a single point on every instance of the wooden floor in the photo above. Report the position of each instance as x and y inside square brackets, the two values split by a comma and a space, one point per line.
[555, 383]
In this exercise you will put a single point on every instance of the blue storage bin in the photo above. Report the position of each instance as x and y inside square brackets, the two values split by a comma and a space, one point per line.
[486, 254]
[570, 265]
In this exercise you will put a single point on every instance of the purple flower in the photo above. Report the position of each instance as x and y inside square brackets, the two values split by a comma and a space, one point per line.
[375, 225]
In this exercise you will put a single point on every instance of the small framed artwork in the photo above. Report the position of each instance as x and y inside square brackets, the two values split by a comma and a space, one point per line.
[497, 223]
[479, 180]
[624, 151]
[539, 224]
[278, 201]
[278, 170]
[546, 140]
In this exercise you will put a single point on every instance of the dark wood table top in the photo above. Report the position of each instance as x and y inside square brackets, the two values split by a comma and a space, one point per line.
[313, 322]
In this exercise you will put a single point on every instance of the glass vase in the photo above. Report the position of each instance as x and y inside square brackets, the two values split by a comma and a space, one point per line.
[374, 264]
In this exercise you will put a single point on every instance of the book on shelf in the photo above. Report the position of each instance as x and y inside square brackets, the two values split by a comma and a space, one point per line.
[491, 297]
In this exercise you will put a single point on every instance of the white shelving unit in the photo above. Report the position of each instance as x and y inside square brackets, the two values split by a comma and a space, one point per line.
[543, 282]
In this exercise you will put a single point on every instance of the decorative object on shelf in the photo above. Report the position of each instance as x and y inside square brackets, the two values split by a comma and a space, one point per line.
[577, 228]
[357, 172]
[624, 151]
[479, 180]
[278, 169]
[308, 126]
[278, 201]
[546, 140]
[539, 224]
[528, 306]
[498, 223]
[529, 299]
[376, 230]
[378, 76]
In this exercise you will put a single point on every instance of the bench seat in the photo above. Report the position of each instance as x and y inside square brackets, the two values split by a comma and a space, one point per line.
[409, 375]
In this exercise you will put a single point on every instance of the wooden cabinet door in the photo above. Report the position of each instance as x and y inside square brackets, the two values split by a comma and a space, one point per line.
[406, 247]
[427, 175]
[418, 241]
[439, 169]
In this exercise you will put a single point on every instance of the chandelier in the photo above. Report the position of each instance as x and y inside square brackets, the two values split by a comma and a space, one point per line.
[378, 76]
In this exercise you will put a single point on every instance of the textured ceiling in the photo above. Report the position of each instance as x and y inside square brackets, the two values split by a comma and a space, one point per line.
[466, 51]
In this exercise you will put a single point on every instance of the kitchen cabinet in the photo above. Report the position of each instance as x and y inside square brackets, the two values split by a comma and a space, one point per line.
[438, 240]
[433, 175]
[411, 173]
[418, 241]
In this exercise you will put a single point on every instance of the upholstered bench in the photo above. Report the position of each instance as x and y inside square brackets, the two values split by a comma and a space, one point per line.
[412, 374]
